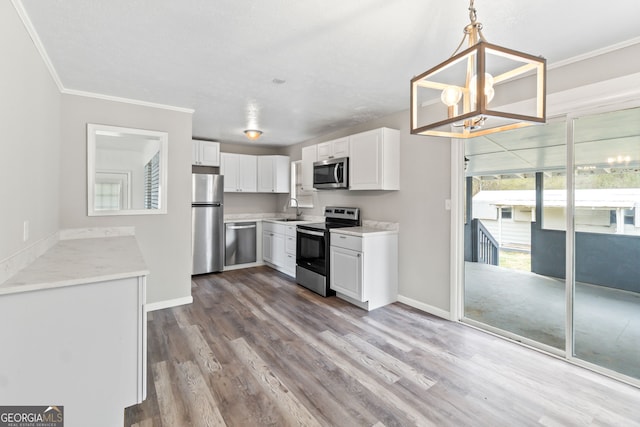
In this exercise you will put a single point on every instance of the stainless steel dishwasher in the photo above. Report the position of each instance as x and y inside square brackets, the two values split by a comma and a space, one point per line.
[240, 243]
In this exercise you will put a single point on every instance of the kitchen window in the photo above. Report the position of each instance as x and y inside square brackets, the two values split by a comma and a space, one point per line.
[304, 198]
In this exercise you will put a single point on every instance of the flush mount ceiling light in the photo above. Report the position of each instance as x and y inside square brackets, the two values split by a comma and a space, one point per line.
[446, 100]
[253, 134]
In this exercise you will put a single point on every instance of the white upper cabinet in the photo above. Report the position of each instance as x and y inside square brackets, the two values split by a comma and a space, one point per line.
[309, 155]
[240, 172]
[205, 153]
[273, 174]
[333, 149]
[374, 160]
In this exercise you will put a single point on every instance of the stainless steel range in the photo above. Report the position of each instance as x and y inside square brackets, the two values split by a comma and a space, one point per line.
[312, 248]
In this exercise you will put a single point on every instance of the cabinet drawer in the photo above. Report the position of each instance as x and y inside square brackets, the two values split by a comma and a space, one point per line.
[348, 242]
[273, 227]
[290, 263]
[291, 230]
[290, 245]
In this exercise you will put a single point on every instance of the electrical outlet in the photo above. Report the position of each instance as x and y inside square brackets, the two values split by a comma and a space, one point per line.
[25, 231]
[447, 204]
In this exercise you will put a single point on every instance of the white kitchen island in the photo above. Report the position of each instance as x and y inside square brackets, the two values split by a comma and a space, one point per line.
[73, 331]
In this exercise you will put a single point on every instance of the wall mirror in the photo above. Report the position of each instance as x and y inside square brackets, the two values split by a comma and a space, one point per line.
[126, 171]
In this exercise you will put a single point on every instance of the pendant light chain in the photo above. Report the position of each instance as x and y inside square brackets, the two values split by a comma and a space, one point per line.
[473, 30]
[472, 12]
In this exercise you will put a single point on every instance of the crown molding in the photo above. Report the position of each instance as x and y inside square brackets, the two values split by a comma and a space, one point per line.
[594, 53]
[125, 100]
[17, 4]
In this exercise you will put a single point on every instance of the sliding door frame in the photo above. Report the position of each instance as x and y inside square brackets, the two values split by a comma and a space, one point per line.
[570, 107]
[622, 104]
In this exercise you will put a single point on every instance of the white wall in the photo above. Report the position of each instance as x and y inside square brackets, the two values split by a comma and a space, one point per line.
[165, 240]
[419, 207]
[30, 129]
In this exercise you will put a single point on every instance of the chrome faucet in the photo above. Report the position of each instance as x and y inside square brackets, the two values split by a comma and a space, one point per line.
[298, 213]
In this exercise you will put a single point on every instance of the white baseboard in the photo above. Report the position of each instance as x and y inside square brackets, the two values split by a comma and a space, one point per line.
[241, 266]
[425, 307]
[168, 303]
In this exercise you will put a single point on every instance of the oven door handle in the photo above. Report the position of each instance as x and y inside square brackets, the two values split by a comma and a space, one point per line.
[313, 233]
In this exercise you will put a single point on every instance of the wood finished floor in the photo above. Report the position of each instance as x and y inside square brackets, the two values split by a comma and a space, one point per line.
[255, 349]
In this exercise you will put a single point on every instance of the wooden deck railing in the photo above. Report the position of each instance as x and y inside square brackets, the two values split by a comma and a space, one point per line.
[484, 246]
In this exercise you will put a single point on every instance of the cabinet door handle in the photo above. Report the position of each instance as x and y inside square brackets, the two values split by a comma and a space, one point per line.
[240, 227]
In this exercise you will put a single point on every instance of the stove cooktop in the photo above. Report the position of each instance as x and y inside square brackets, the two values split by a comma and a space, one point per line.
[335, 217]
[322, 226]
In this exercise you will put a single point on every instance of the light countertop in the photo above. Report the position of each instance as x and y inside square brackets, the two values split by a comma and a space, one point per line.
[268, 218]
[363, 231]
[80, 261]
[296, 222]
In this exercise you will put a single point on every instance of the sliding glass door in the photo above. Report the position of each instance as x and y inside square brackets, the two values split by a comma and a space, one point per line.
[552, 241]
[606, 215]
[515, 198]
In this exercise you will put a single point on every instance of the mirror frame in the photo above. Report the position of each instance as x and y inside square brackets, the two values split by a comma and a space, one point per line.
[92, 131]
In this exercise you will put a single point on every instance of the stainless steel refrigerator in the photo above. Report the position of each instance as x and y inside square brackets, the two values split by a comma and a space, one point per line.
[207, 223]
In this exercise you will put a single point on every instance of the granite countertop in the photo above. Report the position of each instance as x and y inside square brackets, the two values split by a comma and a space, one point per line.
[80, 261]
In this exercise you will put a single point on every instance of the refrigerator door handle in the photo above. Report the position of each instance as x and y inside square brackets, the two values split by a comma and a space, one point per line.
[216, 204]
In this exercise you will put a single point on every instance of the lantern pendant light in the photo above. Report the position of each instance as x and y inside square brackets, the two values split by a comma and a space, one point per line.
[480, 90]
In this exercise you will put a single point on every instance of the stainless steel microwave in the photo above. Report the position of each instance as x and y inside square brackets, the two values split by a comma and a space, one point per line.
[331, 173]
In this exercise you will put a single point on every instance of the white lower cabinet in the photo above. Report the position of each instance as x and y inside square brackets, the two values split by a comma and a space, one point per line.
[267, 245]
[290, 250]
[346, 274]
[82, 346]
[279, 247]
[364, 268]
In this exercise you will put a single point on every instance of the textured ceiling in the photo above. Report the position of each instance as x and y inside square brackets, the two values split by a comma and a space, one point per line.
[342, 62]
